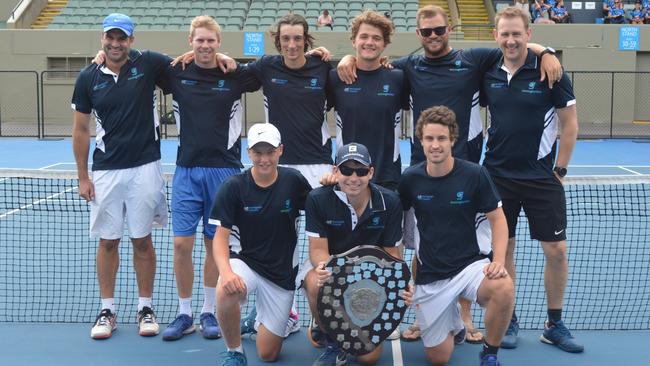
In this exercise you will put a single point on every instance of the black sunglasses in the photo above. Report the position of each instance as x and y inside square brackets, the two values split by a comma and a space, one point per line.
[439, 31]
[347, 171]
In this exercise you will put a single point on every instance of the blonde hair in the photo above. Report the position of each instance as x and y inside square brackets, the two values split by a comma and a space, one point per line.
[510, 13]
[430, 11]
[207, 22]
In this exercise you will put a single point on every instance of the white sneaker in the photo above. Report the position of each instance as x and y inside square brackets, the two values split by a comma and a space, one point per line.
[105, 324]
[293, 324]
[395, 335]
[147, 324]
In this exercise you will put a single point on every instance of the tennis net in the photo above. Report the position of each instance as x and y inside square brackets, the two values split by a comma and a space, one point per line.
[47, 260]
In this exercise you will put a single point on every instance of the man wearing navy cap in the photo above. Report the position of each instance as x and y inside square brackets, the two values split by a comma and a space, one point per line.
[127, 182]
[339, 217]
[254, 246]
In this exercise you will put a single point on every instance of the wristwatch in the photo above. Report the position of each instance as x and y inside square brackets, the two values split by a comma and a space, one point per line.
[546, 50]
[561, 171]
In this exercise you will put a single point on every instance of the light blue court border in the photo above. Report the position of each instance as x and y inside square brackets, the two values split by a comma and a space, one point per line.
[590, 157]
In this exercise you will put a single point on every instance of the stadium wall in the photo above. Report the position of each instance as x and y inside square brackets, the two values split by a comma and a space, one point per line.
[582, 47]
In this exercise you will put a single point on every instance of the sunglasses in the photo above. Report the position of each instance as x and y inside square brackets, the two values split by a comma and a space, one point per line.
[347, 171]
[439, 31]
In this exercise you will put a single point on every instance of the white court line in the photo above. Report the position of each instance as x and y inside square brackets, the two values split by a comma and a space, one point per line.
[52, 165]
[36, 202]
[630, 170]
[397, 352]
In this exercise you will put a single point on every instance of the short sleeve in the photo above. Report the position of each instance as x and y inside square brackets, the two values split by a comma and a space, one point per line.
[247, 78]
[483, 58]
[400, 63]
[563, 92]
[314, 222]
[303, 188]
[81, 98]
[489, 199]
[158, 62]
[225, 204]
[404, 194]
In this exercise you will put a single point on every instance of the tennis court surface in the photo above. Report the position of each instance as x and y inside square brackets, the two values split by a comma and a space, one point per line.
[48, 291]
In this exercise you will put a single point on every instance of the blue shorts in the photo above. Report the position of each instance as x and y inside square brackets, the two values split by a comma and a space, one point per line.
[193, 192]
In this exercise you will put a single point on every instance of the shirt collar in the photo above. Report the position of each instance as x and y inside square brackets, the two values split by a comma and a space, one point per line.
[377, 202]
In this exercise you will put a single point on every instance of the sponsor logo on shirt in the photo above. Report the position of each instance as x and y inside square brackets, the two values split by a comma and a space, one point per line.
[287, 206]
[279, 81]
[420, 68]
[459, 199]
[189, 82]
[375, 223]
[252, 208]
[458, 66]
[348, 89]
[497, 85]
[335, 222]
[135, 74]
[101, 85]
[221, 86]
[424, 197]
[531, 89]
[385, 91]
[313, 84]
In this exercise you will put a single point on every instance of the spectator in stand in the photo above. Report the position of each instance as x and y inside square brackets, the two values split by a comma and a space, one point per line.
[540, 12]
[616, 13]
[607, 6]
[325, 20]
[559, 14]
[645, 5]
[637, 15]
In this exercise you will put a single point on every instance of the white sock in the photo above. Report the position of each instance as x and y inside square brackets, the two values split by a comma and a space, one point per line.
[239, 349]
[185, 306]
[109, 304]
[209, 300]
[144, 301]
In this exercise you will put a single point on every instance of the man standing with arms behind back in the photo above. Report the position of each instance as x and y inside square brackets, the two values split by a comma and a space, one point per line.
[127, 181]
[520, 153]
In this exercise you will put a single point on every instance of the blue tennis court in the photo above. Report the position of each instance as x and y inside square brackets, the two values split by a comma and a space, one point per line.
[48, 292]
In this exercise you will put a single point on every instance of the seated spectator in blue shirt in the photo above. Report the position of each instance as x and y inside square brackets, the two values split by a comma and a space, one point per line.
[637, 15]
[617, 13]
[540, 12]
[607, 5]
[559, 14]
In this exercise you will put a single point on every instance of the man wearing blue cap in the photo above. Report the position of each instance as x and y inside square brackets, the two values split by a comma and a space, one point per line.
[340, 217]
[127, 182]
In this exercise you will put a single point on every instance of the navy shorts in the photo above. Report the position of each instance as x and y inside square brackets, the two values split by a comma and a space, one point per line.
[193, 193]
[544, 204]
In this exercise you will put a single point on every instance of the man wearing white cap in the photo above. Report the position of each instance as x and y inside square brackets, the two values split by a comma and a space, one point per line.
[255, 244]
[127, 182]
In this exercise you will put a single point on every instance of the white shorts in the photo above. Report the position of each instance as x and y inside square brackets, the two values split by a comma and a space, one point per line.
[273, 303]
[436, 306]
[302, 273]
[137, 194]
[312, 172]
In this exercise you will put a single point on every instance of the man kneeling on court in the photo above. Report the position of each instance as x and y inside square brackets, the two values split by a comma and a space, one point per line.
[255, 213]
[339, 217]
[450, 197]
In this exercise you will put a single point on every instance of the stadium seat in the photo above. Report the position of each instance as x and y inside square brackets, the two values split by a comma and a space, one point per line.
[340, 28]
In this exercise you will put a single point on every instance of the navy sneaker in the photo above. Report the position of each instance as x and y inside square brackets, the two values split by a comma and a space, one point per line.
[509, 340]
[333, 356]
[182, 325]
[247, 324]
[459, 338]
[234, 358]
[489, 360]
[209, 327]
[559, 335]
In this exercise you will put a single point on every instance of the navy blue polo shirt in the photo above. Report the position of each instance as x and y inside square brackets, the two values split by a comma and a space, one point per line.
[128, 133]
[329, 215]
[263, 222]
[523, 132]
[454, 81]
[369, 112]
[295, 102]
[209, 114]
[446, 210]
